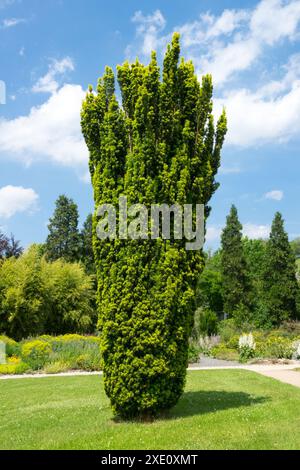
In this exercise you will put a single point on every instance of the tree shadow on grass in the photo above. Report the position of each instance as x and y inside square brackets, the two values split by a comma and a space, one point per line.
[202, 402]
[199, 403]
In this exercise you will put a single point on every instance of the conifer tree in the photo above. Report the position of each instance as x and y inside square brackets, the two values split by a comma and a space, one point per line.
[237, 287]
[161, 146]
[86, 251]
[63, 240]
[280, 286]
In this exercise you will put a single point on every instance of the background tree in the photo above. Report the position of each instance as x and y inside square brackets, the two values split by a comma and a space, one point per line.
[160, 147]
[3, 245]
[86, 252]
[237, 289]
[255, 253]
[14, 247]
[279, 280]
[63, 240]
[295, 245]
[40, 297]
[9, 246]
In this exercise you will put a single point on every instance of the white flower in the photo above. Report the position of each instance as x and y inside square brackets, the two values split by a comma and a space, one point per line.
[247, 341]
[297, 349]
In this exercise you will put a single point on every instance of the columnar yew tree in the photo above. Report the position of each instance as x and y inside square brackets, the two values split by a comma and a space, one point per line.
[161, 146]
[279, 280]
[236, 280]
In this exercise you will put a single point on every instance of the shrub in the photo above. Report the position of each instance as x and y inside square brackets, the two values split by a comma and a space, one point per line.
[205, 323]
[275, 347]
[194, 352]
[296, 347]
[221, 351]
[233, 342]
[80, 352]
[14, 369]
[12, 347]
[57, 367]
[36, 353]
[247, 347]
[227, 329]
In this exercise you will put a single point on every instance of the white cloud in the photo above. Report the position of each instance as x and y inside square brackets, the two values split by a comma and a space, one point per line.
[147, 30]
[256, 231]
[229, 170]
[11, 22]
[273, 20]
[255, 119]
[50, 132]
[14, 199]
[250, 230]
[48, 83]
[6, 3]
[275, 195]
[213, 233]
[227, 45]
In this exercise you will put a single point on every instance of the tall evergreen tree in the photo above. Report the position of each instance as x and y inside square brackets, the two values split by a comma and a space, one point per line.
[237, 289]
[86, 253]
[160, 147]
[63, 240]
[279, 279]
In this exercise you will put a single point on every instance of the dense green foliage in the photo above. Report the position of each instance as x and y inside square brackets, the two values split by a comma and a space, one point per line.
[63, 240]
[86, 245]
[237, 288]
[39, 297]
[160, 147]
[220, 409]
[279, 280]
[52, 354]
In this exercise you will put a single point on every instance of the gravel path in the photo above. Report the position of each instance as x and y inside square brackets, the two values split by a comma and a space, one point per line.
[282, 372]
[210, 362]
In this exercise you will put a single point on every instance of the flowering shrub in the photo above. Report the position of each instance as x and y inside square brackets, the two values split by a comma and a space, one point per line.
[275, 347]
[247, 347]
[297, 349]
[36, 353]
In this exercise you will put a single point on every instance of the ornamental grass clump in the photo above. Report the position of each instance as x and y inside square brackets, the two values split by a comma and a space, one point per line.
[160, 146]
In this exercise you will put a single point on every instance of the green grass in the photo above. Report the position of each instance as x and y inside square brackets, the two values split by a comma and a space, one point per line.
[219, 410]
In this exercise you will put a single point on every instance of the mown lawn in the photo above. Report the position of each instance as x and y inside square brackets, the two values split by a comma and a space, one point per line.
[220, 410]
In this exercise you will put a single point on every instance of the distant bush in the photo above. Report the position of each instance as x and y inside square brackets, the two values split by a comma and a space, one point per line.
[205, 323]
[14, 369]
[36, 353]
[12, 347]
[37, 296]
[227, 329]
[57, 367]
[54, 354]
[275, 347]
[247, 347]
[221, 351]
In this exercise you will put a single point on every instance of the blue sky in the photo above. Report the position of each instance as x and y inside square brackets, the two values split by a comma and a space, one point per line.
[51, 50]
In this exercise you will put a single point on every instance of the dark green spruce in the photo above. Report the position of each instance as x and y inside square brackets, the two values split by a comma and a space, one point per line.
[279, 280]
[63, 240]
[237, 288]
